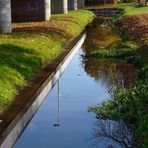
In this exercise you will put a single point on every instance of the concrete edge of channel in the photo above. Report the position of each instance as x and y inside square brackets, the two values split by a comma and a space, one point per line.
[11, 130]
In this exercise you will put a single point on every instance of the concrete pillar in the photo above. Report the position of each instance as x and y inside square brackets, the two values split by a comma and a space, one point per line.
[47, 9]
[72, 4]
[59, 6]
[81, 3]
[5, 16]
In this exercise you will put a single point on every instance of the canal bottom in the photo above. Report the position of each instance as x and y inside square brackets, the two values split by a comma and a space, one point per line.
[63, 119]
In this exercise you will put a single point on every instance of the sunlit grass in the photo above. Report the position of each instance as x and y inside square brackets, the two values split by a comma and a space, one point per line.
[31, 47]
[129, 8]
[132, 8]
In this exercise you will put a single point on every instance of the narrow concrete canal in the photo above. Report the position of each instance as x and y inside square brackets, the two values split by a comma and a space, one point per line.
[63, 119]
[77, 91]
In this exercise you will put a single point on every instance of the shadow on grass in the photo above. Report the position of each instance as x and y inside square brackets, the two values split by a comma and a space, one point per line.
[25, 61]
[17, 66]
[41, 30]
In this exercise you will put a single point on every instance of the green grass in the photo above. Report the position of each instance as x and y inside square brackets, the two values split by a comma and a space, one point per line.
[129, 8]
[33, 46]
[77, 20]
[132, 8]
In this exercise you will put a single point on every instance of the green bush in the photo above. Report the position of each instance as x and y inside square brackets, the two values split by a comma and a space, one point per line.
[130, 105]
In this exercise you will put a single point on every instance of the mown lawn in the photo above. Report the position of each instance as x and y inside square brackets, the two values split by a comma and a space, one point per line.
[129, 8]
[31, 47]
[132, 8]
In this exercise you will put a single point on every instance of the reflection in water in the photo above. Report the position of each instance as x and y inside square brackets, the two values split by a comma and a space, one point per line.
[100, 35]
[109, 72]
[58, 116]
[117, 131]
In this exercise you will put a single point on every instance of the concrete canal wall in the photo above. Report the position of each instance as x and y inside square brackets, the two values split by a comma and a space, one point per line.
[13, 130]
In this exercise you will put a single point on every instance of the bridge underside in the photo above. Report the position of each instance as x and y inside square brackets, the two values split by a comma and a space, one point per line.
[29, 11]
[72, 4]
[81, 3]
[59, 6]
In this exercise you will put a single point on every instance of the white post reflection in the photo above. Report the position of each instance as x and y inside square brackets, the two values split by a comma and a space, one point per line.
[58, 116]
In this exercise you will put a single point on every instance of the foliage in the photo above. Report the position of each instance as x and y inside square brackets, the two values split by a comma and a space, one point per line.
[135, 25]
[120, 50]
[33, 46]
[100, 35]
[129, 104]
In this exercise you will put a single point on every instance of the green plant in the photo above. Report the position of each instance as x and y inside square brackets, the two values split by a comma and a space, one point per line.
[120, 50]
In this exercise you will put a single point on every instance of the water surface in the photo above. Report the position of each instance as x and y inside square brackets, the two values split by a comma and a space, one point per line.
[77, 92]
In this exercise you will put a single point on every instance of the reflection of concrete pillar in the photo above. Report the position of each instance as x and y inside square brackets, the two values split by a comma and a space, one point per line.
[5, 16]
[72, 4]
[81, 3]
[59, 6]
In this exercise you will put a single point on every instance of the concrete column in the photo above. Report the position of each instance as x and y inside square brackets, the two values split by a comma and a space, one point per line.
[5, 16]
[81, 3]
[59, 6]
[47, 10]
[72, 4]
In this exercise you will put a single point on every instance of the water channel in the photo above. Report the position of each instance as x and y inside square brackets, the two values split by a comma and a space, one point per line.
[63, 119]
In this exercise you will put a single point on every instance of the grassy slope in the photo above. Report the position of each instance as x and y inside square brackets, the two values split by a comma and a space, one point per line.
[31, 47]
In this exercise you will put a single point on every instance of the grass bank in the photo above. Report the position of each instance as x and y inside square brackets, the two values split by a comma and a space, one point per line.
[33, 46]
[129, 104]
[128, 8]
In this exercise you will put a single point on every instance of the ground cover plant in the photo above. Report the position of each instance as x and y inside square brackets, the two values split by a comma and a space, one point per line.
[33, 46]
[120, 50]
